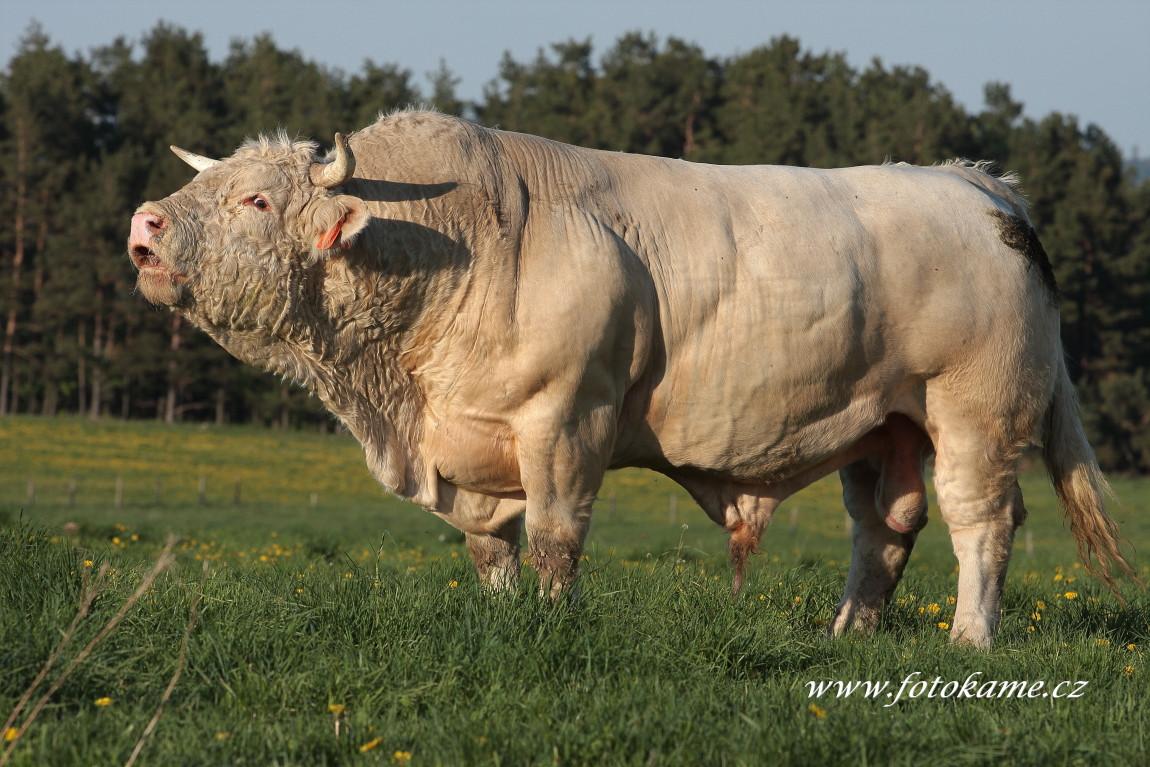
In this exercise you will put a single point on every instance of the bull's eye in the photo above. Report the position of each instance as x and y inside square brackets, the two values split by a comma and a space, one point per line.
[258, 201]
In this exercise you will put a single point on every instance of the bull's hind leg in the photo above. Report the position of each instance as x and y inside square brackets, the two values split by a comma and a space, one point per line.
[496, 556]
[879, 554]
[979, 499]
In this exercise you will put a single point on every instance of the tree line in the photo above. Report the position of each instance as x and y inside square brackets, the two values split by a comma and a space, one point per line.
[84, 139]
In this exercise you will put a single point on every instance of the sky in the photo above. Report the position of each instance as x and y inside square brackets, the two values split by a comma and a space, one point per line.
[1088, 58]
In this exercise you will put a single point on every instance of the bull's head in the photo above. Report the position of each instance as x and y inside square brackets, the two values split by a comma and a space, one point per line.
[226, 245]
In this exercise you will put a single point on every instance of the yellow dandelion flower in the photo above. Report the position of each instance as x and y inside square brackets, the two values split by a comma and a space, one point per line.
[1040, 605]
[401, 757]
[1071, 595]
[1128, 670]
[1057, 577]
[1030, 628]
[336, 708]
[1101, 641]
[933, 608]
[951, 600]
[453, 584]
[10, 734]
[371, 745]
[943, 625]
[223, 735]
[762, 597]
[103, 702]
[921, 610]
[348, 575]
[1131, 647]
[818, 712]
[87, 563]
[798, 599]
[1036, 616]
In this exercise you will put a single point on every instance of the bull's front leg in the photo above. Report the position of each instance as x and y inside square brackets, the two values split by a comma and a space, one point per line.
[496, 555]
[490, 524]
[561, 471]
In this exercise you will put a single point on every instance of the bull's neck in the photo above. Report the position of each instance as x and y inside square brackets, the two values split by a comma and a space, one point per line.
[348, 353]
[380, 403]
[376, 310]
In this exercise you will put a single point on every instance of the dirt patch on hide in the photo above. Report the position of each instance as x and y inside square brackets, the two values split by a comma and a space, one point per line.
[1020, 236]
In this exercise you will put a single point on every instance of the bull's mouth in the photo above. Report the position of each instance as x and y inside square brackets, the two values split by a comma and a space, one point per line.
[150, 265]
[144, 258]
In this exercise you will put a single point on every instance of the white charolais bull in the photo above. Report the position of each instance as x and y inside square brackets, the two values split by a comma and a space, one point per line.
[499, 319]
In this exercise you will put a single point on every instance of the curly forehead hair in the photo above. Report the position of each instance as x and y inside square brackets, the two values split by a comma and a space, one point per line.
[277, 147]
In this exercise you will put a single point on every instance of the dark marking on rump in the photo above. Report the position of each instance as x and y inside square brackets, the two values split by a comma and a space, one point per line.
[1021, 237]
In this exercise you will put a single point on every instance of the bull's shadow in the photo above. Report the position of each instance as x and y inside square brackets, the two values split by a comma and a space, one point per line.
[406, 247]
[372, 190]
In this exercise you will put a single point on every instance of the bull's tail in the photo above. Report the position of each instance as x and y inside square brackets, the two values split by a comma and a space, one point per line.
[1081, 487]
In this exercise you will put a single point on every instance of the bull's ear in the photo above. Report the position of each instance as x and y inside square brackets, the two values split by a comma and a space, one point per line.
[338, 220]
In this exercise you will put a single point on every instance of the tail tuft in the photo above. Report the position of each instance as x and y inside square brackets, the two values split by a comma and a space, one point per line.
[1082, 489]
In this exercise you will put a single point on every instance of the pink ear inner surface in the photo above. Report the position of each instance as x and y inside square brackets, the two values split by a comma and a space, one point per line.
[332, 235]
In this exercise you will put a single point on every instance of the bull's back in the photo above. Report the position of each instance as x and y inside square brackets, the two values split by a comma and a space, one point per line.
[798, 307]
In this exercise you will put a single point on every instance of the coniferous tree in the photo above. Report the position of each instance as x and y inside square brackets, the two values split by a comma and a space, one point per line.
[266, 89]
[52, 139]
[550, 97]
[654, 99]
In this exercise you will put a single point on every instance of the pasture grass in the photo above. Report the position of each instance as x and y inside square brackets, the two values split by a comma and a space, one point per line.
[363, 602]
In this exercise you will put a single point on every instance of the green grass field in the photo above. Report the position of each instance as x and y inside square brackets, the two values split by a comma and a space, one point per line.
[337, 625]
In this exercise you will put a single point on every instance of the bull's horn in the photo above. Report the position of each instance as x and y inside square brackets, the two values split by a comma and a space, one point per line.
[197, 161]
[338, 171]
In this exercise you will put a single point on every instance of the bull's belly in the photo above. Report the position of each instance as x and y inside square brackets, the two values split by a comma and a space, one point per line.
[762, 438]
[749, 456]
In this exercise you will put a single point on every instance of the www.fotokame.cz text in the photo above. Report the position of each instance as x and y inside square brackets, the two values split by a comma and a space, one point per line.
[974, 686]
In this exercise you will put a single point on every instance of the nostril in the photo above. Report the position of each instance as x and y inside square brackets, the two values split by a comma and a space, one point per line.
[145, 226]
